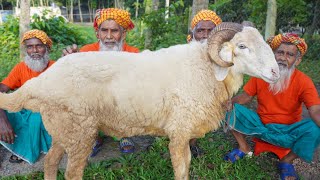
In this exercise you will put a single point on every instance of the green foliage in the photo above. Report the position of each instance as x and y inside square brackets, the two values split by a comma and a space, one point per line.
[57, 29]
[9, 46]
[313, 47]
[167, 32]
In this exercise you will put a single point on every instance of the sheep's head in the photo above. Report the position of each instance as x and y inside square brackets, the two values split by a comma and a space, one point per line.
[242, 48]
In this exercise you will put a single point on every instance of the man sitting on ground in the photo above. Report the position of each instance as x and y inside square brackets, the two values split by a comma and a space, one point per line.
[278, 125]
[23, 132]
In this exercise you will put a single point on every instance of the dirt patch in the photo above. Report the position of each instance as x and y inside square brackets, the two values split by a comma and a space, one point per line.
[110, 149]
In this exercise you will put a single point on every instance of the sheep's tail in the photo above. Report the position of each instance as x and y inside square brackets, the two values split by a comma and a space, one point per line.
[12, 101]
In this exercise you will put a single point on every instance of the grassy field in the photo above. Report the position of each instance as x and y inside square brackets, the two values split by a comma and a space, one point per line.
[155, 164]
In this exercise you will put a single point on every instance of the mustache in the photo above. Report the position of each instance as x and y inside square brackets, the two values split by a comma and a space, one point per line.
[283, 63]
[38, 55]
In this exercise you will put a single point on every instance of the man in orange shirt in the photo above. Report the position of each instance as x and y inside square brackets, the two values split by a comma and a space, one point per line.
[201, 26]
[111, 26]
[278, 125]
[23, 132]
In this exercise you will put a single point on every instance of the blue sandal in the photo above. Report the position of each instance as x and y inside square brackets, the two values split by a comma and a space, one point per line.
[126, 142]
[234, 155]
[287, 170]
[96, 148]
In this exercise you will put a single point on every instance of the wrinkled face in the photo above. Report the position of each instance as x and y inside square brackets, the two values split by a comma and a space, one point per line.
[253, 56]
[287, 55]
[202, 30]
[35, 48]
[111, 36]
[37, 55]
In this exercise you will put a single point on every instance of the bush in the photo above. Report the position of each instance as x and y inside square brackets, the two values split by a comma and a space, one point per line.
[9, 46]
[58, 30]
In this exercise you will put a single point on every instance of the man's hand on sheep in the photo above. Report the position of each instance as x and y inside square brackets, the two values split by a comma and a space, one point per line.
[70, 50]
[6, 132]
[228, 105]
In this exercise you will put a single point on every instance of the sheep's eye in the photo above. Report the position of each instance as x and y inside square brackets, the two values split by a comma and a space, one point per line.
[241, 46]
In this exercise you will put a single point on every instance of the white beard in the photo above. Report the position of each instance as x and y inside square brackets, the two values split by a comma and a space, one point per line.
[116, 47]
[283, 83]
[202, 41]
[37, 65]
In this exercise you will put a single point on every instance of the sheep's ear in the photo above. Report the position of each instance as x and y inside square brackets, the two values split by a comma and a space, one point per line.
[226, 54]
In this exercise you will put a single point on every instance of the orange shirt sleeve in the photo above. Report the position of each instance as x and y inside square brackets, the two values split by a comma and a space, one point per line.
[309, 95]
[128, 48]
[90, 47]
[251, 87]
[13, 80]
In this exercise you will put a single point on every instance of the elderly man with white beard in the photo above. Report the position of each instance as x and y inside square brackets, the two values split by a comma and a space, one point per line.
[22, 132]
[111, 26]
[278, 126]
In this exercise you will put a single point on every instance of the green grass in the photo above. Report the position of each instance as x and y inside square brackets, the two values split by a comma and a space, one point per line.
[155, 164]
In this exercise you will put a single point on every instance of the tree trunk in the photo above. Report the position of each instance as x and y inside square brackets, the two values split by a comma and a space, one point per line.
[41, 3]
[24, 22]
[80, 12]
[90, 12]
[136, 5]
[151, 5]
[315, 21]
[197, 6]
[167, 9]
[271, 19]
[119, 4]
[71, 11]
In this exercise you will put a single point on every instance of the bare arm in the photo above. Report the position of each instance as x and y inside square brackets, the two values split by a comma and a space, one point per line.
[314, 112]
[242, 98]
[6, 131]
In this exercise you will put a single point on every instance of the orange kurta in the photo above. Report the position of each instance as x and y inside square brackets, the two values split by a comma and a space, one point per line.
[20, 74]
[95, 47]
[282, 108]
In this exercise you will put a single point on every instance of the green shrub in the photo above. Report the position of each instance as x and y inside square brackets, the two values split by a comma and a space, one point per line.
[9, 46]
[58, 30]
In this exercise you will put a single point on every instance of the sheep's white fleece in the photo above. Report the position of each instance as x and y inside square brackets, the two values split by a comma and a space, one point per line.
[135, 93]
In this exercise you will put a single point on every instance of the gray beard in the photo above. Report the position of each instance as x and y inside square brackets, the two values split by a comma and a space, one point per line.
[283, 83]
[37, 65]
[116, 47]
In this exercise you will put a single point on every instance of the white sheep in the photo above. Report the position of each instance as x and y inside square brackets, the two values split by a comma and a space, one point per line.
[176, 92]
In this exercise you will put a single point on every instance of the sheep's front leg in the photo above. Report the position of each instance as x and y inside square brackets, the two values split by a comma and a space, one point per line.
[180, 157]
[52, 161]
[77, 158]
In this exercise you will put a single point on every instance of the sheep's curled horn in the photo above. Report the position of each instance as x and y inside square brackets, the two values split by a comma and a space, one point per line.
[222, 33]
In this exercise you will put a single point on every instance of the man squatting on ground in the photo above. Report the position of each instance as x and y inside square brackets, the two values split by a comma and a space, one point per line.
[278, 126]
[23, 132]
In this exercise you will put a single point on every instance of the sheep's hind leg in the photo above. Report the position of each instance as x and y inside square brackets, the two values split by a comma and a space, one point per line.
[78, 155]
[52, 161]
[180, 157]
